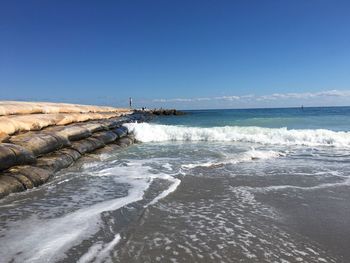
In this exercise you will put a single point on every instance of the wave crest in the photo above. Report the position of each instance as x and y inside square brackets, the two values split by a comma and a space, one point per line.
[146, 132]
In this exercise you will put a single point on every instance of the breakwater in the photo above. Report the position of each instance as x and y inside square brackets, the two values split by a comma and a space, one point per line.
[166, 112]
[38, 140]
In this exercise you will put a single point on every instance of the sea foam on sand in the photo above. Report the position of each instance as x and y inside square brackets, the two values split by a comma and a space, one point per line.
[52, 238]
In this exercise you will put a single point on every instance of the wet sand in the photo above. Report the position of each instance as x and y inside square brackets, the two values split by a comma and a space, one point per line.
[215, 220]
[125, 207]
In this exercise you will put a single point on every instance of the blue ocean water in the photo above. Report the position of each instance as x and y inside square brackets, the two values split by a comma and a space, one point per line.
[332, 118]
[311, 127]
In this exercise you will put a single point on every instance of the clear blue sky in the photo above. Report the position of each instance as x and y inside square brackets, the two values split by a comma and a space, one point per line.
[186, 54]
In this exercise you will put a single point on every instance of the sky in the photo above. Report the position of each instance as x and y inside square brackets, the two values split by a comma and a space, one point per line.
[173, 53]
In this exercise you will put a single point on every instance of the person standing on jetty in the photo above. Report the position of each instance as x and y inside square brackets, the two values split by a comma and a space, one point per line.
[130, 102]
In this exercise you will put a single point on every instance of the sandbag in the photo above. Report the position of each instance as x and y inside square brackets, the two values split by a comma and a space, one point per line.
[121, 131]
[71, 132]
[11, 155]
[9, 185]
[83, 146]
[9, 108]
[36, 175]
[4, 137]
[124, 119]
[133, 118]
[71, 152]
[111, 124]
[132, 137]
[25, 181]
[72, 118]
[8, 126]
[106, 137]
[92, 127]
[7, 157]
[34, 122]
[124, 142]
[11, 124]
[55, 161]
[23, 156]
[21, 107]
[87, 145]
[16, 123]
[40, 143]
[108, 124]
[98, 143]
[78, 117]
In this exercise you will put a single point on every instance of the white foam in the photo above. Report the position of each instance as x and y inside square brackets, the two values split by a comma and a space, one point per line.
[90, 255]
[262, 155]
[146, 132]
[167, 166]
[175, 183]
[48, 239]
[251, 155]
[138, 176]
[99, 252]
[345, 182]
[103, 254]
[38, 240]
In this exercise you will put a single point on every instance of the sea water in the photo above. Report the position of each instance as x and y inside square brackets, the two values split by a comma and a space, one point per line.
[257, 185]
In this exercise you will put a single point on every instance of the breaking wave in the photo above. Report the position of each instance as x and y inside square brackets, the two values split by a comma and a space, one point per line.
[146, 132]
[251, 155]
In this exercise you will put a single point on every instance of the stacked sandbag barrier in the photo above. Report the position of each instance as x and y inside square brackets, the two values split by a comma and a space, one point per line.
[37, 156]
[18, 117]
[31, 158]
[32, 122]
[24, 107]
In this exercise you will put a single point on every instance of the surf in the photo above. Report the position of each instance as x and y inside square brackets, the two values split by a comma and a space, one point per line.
[145, 132]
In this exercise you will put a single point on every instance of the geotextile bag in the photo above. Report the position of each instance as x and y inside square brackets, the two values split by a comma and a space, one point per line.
[11, 155]
[40, 143]
[125, 141]
[121, 131]
[87, 145]
[55, 161]
[106, 136]
[35, 175]
[9, 184]
[71, 132]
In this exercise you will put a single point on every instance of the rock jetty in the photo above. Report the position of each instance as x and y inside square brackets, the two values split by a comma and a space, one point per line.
[166, 112]
[39, 139]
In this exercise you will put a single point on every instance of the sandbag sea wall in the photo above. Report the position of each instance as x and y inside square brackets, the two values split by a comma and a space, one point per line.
[30, 158]
[25, 108]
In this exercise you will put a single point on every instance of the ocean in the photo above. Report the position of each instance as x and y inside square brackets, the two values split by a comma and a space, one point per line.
[253, 185]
